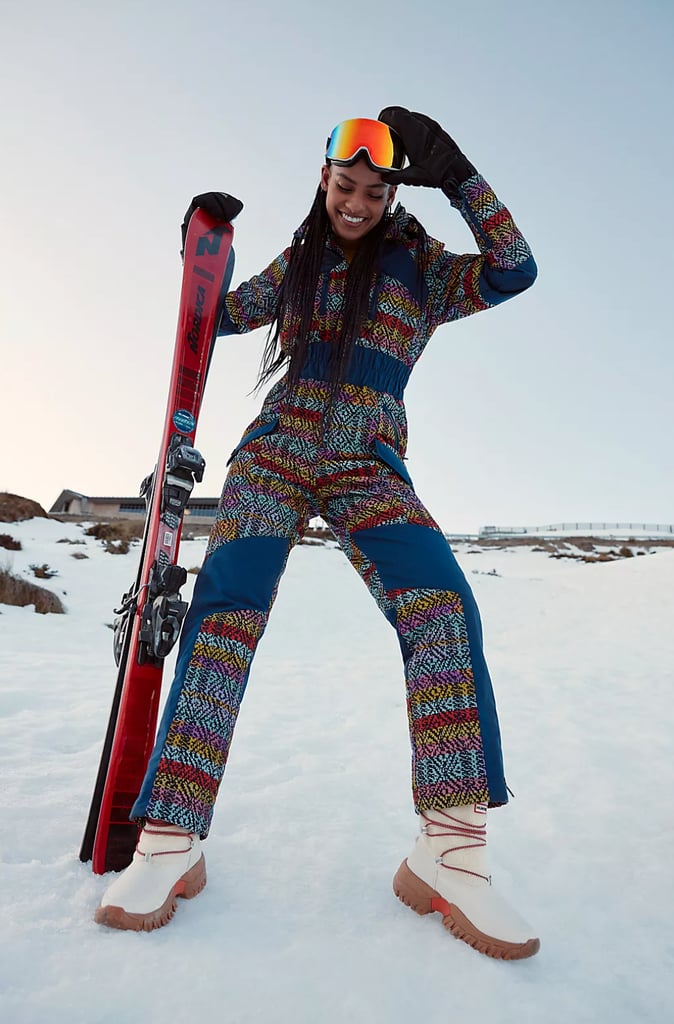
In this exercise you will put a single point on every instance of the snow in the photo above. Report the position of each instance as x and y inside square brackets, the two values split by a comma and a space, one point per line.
[298, 922]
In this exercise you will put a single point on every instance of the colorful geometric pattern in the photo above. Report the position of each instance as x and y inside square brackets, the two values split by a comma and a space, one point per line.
[447, 758]
[197, 745]
[294, 462]
[276, 483]
[405, 306]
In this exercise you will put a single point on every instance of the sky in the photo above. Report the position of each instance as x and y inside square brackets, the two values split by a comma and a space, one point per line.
[554, 407]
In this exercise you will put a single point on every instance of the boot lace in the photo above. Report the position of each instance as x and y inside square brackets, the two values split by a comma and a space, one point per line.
[456, 829]
[147, 830]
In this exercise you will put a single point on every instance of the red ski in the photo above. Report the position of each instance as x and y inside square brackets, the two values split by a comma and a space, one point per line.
[151, 613]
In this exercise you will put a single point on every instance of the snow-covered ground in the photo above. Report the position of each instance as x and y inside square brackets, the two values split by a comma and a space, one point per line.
[298, 922]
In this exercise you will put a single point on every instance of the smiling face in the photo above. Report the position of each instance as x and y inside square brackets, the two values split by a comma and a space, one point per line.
[355, 199]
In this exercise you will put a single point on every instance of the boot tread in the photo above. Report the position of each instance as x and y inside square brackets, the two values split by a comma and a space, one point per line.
[420, 897]
[187, 887]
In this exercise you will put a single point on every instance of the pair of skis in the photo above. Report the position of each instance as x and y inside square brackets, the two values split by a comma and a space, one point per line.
[150, 615]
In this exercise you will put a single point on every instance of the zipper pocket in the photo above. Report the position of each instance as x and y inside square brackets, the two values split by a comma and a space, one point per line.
[265, 428]
[392, 460]
[394, 428]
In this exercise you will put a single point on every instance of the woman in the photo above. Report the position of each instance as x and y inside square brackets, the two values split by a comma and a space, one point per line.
[352, 304]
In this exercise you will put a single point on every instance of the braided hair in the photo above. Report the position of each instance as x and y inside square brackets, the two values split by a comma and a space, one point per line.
[295, 303]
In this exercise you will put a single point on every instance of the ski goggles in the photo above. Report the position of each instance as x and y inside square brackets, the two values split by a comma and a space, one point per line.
[360, 136]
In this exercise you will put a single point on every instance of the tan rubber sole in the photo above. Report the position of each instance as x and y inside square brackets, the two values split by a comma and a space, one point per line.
[190, 885]
[419, 896]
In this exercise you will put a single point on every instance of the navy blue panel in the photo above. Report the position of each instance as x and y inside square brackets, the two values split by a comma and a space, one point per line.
[486, 707]
[405, 650]
[498, 285]
[331, 259]
[367, 368]
[240, 574]
[227, 325]
[399, 263]
[409, 555]
[387, 455]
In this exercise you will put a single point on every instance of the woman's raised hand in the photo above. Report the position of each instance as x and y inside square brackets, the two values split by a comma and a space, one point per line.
[435, 160]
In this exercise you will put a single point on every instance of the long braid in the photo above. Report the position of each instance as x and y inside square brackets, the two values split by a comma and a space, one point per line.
[295, 304]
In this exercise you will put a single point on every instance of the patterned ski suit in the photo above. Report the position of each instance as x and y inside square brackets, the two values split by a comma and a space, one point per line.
[289, 467]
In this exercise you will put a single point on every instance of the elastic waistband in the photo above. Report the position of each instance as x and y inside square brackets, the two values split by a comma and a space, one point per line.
[368, 368]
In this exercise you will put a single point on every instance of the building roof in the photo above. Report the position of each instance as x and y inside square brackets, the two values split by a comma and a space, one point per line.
[67, 496]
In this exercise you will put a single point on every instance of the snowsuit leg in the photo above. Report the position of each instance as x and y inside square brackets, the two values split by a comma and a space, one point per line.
[410, 570]
[275, 484]
[260, 517]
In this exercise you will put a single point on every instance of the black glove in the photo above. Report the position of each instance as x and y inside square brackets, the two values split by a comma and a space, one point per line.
[218, 205]
[435, 159]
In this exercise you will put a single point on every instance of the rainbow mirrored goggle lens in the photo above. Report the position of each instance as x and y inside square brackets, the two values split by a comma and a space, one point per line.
[358, 136]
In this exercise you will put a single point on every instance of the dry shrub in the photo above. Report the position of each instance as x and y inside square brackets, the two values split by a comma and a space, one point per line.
[317, 535]
[548, 545]
[117, 547]
[517, 541]
[15, 509]
[120, 529]
[582, 549]
[67, 540]
[43, 572]
[584, 543]
[10, 543]
[16, 591]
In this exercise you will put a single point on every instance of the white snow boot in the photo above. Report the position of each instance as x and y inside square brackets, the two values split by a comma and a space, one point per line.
[168, 863]
[446, 872]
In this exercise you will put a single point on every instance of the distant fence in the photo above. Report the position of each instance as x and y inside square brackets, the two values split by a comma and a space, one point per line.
[649, 529]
